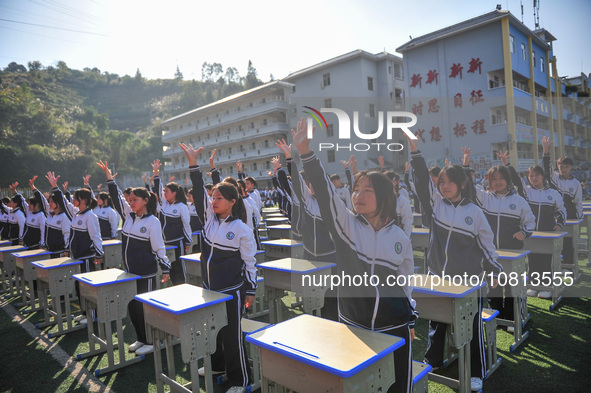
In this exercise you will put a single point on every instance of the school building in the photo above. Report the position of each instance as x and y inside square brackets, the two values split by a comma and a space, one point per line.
[492, 84]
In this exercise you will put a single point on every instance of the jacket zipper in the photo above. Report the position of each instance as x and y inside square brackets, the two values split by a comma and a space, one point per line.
[377, 301]
[453, 217]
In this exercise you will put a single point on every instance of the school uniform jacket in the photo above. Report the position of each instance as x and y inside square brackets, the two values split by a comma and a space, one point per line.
[293, 203]
[546, 203]
[4, 226]
[194, 221]
[16, 224]
[174, 217]
[363, 251]
[108, 221]
[254, 194]
[85, 234]
[315, 234]
[571, 190]
[460, 237]
[404, 213]
[141, 238]
[34, 235]
[228, 246]
[506, 214]
[252, 219]
[57, 227]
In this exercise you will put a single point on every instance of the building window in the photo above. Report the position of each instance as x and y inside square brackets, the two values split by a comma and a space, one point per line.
[254, 166]
[523, 52]
[328, 103]
[398, 71]
[293, 89]
[240, 128]
[266, 144]
[330, 130]
[542, 65]
[264, 122]
[251, 126]
[390, 70]
[369, 83]
[241, 148]
[533, 58]
[372, 110]
[512, 43]
[331, 155]
[253, 146]
[326, 80]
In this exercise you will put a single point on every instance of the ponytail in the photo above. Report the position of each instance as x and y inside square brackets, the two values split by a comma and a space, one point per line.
[143, 193]
[85, 194]
[106, 198]
[180, 192]
[230, 192]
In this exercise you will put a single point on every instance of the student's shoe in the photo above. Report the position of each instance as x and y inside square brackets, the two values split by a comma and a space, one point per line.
[135, 346]
[144, 350]
[545, 295]
[236, 389]
[532, 293]
[433, 368]
[79, 318]
[475, 384]
[201, 372]
[510, 329]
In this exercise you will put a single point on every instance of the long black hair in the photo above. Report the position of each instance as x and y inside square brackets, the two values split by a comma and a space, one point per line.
[59, 201]
[384, 192]
[230, 192]
[36, 202]
[19, 203]
[85, 194]
[143, 193]
[503, 171]
[180, 192]
[106, 198]
[457, 175]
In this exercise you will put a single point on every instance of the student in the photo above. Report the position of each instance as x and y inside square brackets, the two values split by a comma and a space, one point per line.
[510, 219]
[228, 255]
[361, 239]
[176, 223]
[85, 238]
[57, 224]
[4, 215]
[34, 236]
[108, 217]
[251, 186]
[571, 190]
[403, 208]
[142, 248]
[460, 242]
[343, 192]
[17, 218]
[548, 208]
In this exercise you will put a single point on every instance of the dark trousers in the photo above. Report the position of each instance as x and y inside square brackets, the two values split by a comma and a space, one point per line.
[402, 361]
[567, 251]
[136, 308]
[499, 299]
[230, 354]
[177, 267]
[436, 344]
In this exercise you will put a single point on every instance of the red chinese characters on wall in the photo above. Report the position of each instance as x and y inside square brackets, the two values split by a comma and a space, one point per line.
[475, 64]
[435, 134]
[458, 100]
[476, 96]
[417, 109]
[419, 134]
[432, 75]
[456, 69]
[416, 80]
[478, 127]
[433, 107]
[460, 130]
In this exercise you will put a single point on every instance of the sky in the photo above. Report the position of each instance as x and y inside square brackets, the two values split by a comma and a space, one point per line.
[279, 37]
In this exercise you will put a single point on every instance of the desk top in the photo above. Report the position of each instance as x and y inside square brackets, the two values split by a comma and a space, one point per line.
[422, 283]
[12, 248]
[512, 254]
[105, 277]
[167, 247]
[420, 231]
[197, 256]
[280, 226]
[587, 212]
[330, 346]
[196, 233]
[275, 214]
[32, 253]
[282, 242]
[5, 243]
[56, 262]
[416, 214]
[276, 219]
[547, 235]
[112, 242]
[573, 222]
[182, 299]
[270, 210]
[297, 266]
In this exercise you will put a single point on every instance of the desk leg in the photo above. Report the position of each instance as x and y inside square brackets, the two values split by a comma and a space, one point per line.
[42, 290]
[154, 337]
[464, 372]
[517, 323]
[169, 354]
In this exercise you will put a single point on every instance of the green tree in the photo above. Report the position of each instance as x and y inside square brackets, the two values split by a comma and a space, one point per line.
[178, 75]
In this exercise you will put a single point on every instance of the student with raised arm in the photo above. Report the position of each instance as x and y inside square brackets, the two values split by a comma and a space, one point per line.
[548, 208]
[510, 219]
[251, 186]
[571, 190]
[34, 236]
[228, 266]
[367, 242]
[176, 223]
[17, 219]
[460, 242]
[142, 249]
[85, 239]
[57, 224]
[108, 217]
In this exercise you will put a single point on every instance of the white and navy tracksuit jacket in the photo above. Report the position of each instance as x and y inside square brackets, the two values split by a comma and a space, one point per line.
[57, 228]
[294, 206]
[142, 242]
[16, 224]
[227, 248]
[85, 235]
[34, 235]
[194, 219]
[460, 238]
[175, 219]
[4, 225]
[571, 190]
[108, 221]
[317, 241]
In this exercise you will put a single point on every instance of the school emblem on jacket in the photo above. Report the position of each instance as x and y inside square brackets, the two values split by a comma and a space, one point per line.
[143, 229]
[32, 220]
[79, 222]
[398, 248]
[571, 189]
[549, 197]
[103, 212]
[469, 220]
[230, 235]
[59, 222]
[174, 211]
[512, 206]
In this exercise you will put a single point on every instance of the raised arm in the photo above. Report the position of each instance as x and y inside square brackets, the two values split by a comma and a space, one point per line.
[200, 197]
[40, 196]
[71, 210]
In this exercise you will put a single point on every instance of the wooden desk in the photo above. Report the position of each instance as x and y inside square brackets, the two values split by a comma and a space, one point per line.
[276, 221]
[287, 274]
[196, 241]
[193, 314]
[8, 264]
[419, 372]
[283, 248]
[113, 254]
[311, 354]
[417, 220]
[573, 229]
[55, 279]
[456, 305]
[514, 261]
[109, 292]
[5, 243]
[269, 210]
[25, 272]
[549, 243]
[281, 231]
[419, 238]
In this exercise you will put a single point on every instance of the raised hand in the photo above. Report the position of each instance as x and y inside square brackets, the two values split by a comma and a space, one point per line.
[191, 153]
[276, 163]
[32, 182]
[186, 181]
[285, 148]
[211, 158]
[171, 179]
[52, 179]
[270, 174]
[353, 164]
[406, 166]
[300, 137]
[546, 144]
[466, 150]
[239, 166]
[504, 157]
[412, 143]
[65, 185]
[86, 179]
[156, 167]
[344, 163]
[13, 187]
[105, 167]
[381, 161]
